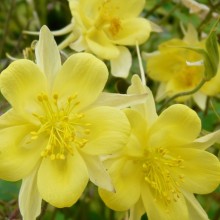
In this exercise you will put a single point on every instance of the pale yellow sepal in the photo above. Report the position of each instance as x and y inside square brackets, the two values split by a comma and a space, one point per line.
[29, 197]
[194, 207]
[120, 100]
[97, 172]
[148, 109]
[47, 55]
[121, 65]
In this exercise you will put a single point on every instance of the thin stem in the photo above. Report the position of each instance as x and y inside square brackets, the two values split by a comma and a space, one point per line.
[143, 79]
[203, 81]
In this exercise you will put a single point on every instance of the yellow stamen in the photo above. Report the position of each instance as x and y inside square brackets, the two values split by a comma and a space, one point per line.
[65, 131]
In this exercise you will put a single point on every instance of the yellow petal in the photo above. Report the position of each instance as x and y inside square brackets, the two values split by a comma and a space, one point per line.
[176, 125]
[121, 65]
[148, 109]
[82, 74]
[86, 9]
[126, 34]
[61, 183]
[29, 197]
[101, 45]
[20, 84]
[194, 208]
[201, 170]
[47, 54]
[126, 179]
[97, 172]
[157, 210]
[109, 130]
[126, 9]
[18, 158]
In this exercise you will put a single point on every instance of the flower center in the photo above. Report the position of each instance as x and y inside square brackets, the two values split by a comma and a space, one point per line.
[161, 173]
[64, 128]
[107, 18]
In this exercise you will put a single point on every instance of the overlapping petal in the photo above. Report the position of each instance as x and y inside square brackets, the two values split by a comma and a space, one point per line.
[125, 177]
[21, 83]
[83, 75]
[194, 208]
[97, 172]
[121, 65]
[61, 183]
[147, 109]
[109, 129]
[156, 209]
[126, 9]
[126, 34]
[18, 158]
[197, 165]
[176, 125]
[100, 44]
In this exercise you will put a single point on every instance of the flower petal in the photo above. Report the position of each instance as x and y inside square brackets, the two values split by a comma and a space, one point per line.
[61, 183]
[194, 208]
[97, 172]
[126, 34]
[126, 9]
[200, 99]
[82, 74]
[148, 109]
[201, 170]
[21, 82]
[157, 210]
[126, 179]
[109, 130]
[119, 100]
[176, 125]
[17, 158]
[47, 54]
[101, 45]
[121, 65]
[29, 197]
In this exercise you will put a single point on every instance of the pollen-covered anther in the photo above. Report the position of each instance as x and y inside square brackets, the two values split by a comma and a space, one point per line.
[158, 167]
[63, 125]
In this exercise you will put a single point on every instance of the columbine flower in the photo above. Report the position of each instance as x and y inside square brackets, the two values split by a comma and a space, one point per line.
[52, 137]
[105, 27]
[163, 163]
[181, 70]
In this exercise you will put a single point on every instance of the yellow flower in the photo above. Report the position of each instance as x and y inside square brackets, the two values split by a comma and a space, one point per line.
[179, 70]
[105, 27]
[163, 163]
[52, 137]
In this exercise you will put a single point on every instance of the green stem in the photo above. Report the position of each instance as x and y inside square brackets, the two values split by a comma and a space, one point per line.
[6, 27]
[203, 81]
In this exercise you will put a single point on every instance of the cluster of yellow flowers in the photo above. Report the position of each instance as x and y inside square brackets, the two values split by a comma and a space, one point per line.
[62, 130]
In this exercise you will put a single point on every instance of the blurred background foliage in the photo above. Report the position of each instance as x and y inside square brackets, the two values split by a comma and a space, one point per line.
[19, 15]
